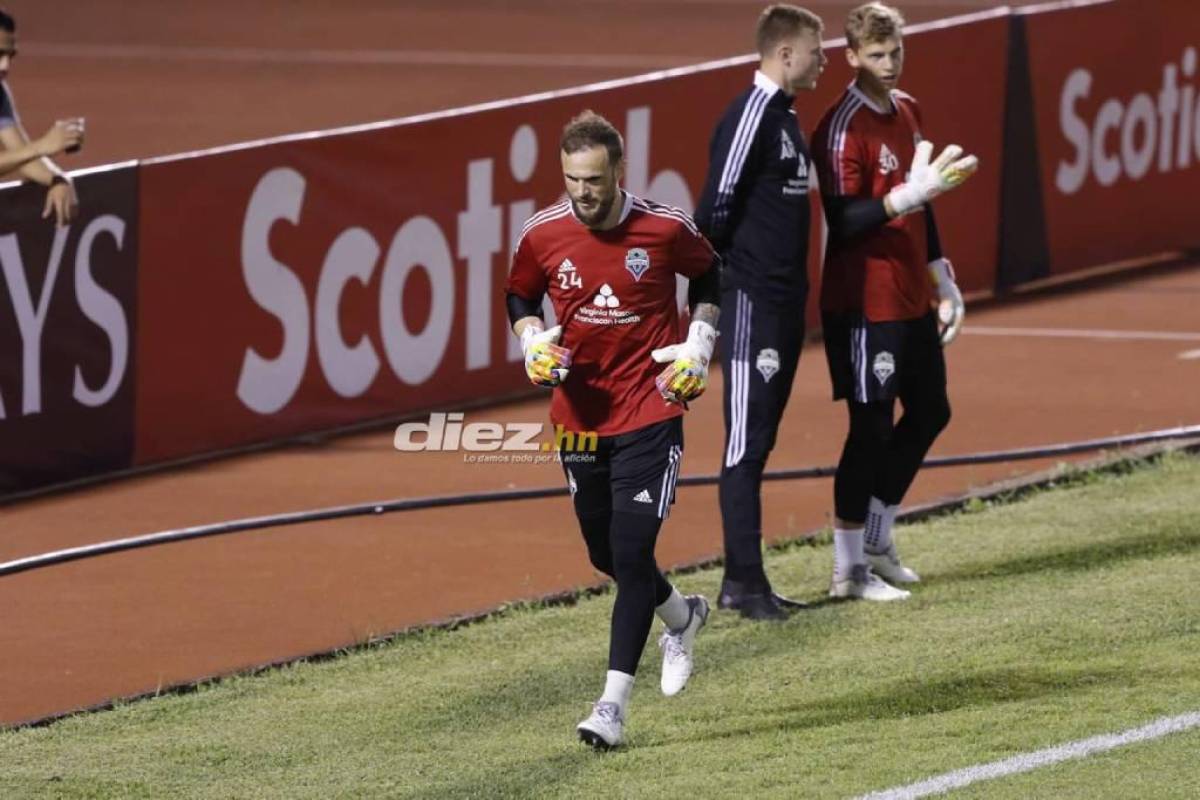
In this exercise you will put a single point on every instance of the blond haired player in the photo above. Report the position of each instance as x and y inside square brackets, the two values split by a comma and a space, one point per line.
[884, 274]
[755, 211]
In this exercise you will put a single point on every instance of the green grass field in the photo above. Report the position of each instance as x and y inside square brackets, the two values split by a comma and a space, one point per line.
[1063, 615]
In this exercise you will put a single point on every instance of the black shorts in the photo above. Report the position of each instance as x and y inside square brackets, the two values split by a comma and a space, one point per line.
[634, 472]
[873, 361]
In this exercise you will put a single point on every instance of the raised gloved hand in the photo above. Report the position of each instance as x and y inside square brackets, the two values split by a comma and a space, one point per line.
[951, 309]
[686, 375]
[926, 181]
[546, 362]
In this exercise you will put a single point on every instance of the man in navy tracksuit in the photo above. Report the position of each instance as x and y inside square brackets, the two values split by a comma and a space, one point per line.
[755, 211]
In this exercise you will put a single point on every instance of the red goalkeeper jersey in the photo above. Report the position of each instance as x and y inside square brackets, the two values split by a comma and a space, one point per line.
[865, 151]
[614, 294]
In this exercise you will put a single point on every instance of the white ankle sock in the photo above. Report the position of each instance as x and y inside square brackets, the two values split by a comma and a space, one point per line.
[617, 688]
[880, 518]
[675, 611]
[847, 551]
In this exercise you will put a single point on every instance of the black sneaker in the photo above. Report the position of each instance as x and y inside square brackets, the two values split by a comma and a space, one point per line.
[754, 602]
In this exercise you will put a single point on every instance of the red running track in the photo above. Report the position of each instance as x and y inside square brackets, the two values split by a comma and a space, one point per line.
[78, 634]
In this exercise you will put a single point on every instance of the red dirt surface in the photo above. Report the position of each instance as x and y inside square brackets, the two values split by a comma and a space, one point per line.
[155, 78]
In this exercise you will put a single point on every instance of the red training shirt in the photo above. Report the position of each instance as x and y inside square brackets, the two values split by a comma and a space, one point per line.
[864, 151]
[614, 294]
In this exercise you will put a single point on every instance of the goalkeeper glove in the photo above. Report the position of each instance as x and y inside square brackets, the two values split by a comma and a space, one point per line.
[686, 375]
[950, 301]
[926, 181]
[546, 362]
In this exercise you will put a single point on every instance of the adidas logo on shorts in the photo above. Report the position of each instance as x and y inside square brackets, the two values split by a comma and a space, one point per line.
[643, 497]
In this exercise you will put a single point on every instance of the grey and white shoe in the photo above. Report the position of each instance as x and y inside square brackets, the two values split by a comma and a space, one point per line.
[677, 646]
[603, 727]
[887, 565]
[863, 584]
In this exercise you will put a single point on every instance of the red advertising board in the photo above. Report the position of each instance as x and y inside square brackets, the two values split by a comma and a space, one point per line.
[303, 285]
[282, 288]
[68, 300]
[1118, 128]
[306, 284]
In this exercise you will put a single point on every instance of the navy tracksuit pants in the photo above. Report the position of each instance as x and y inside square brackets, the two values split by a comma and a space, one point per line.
[760, 348]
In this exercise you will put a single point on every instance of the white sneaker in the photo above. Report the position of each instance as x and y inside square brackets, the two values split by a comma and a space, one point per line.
[866, 585]
[603, 728]
[677, 647]
[887, 566]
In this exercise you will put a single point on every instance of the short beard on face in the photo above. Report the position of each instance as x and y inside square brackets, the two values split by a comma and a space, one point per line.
[591, 219]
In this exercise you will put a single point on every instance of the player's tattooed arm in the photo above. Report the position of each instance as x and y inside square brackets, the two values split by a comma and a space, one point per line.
[686, 374]
[706, 312]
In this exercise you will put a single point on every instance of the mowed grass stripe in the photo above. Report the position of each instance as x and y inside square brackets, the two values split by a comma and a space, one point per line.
[1054, 619]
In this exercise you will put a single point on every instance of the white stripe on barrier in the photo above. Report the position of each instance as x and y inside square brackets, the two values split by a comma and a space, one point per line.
[1025, 762]
[397, 57]
[1083, 333]
[615, 83]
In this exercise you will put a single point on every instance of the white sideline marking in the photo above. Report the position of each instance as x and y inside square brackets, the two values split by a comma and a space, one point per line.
[1163, 726]
[267, 55]
[1082, 333]
[1189, 355]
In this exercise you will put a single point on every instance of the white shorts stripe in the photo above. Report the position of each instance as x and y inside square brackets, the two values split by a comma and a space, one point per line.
[670, 475]
[854, 360]
[862, 363]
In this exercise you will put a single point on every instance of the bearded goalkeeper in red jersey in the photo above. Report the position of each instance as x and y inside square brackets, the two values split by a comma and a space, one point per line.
[608, 262]
[884, 273]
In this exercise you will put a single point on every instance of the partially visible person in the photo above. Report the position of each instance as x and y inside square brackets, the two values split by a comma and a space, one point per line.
[884, 274]
[755, 211]
[31, 159]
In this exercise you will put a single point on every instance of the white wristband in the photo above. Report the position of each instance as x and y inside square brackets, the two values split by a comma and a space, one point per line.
[703, 337]
[905, 199]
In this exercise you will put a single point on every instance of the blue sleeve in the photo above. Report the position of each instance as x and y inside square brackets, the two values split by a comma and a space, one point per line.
[8, 114]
